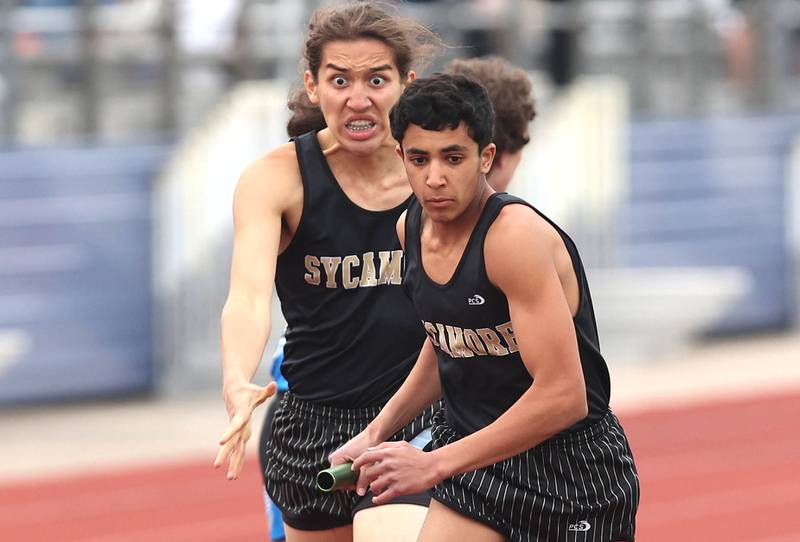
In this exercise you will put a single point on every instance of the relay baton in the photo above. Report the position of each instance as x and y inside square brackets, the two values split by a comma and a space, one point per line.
[336, 477]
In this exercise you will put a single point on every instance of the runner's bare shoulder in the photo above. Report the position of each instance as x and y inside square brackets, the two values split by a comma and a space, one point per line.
[273, 179]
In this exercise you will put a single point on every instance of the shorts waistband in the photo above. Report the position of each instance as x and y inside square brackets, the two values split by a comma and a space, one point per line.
[327, 412]
[585, 435]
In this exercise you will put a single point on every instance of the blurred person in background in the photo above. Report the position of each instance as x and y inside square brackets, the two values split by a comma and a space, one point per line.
[561, 42]
[511, 94]
[734, 29]
[510, 91]
[317, 217]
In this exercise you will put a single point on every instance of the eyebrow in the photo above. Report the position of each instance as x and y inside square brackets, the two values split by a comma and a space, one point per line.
[454, 148]
[381, 68]
[450, 148]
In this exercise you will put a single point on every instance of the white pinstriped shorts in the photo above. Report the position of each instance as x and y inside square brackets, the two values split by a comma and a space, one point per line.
[582, 486]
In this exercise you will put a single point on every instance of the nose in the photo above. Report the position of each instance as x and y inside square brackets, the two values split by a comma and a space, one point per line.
[436, 177]
[359, 98]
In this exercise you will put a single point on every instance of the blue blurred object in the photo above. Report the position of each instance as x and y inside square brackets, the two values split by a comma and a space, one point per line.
[277, 360]
[713, 192]
[75, 292]
[276, 532]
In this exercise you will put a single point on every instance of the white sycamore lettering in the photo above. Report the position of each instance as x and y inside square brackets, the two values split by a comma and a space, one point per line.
[354, 271]
[465, 343]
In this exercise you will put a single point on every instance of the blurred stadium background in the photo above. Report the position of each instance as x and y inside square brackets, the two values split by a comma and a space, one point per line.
[667, 143]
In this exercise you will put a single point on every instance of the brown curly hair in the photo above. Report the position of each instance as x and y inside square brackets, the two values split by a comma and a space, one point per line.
[511, 93]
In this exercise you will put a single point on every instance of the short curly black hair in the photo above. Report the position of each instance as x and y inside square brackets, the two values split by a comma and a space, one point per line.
[445, 101]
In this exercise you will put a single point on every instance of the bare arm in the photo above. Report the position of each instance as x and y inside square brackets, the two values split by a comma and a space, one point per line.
[420, 389]
[262, 196]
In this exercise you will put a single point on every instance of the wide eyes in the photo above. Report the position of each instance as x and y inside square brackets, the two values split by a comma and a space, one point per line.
[340, 81]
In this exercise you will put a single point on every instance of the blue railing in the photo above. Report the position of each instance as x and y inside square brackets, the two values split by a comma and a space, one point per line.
[75, 292]
[712, 192]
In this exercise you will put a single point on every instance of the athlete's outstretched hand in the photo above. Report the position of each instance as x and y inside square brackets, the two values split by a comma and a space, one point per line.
[240, 400]
[351, 450]
[392, 469]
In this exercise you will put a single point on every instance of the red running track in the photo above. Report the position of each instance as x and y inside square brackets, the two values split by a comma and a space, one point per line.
[723, 471]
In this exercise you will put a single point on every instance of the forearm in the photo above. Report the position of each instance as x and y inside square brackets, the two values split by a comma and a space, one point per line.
[535, 417]
[420, 389]
[245, 329]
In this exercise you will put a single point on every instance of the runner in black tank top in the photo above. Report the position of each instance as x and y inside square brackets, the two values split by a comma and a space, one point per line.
[315, 218]
[352, 336]
[526, 448]
[468, 322]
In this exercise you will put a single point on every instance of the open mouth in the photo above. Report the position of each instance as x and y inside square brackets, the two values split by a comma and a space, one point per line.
[360, 125]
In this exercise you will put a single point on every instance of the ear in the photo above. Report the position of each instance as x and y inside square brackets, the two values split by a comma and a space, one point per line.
[487, 157]
[399, 150]
[411, 76]
[310, 84]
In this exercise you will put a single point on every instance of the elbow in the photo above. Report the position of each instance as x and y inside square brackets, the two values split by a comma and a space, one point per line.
[238, 310]
[580, 409]
[578, 406]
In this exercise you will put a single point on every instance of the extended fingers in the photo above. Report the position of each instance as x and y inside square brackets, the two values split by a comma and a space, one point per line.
[224, 453]
[362, 482]
[237, 459]
[368, 473]
[236, 424]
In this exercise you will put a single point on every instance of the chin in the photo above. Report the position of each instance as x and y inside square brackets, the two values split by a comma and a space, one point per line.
[364, 146]
[440, 215]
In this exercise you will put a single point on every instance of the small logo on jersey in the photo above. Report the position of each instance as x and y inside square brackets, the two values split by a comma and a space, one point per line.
[580, 527]
[476, 300]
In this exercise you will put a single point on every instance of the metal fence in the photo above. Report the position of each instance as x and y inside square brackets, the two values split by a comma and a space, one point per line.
[108, 70]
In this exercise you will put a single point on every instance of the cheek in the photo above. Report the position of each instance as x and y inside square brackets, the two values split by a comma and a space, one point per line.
[416, 180]
[387, 97]
[329, 99]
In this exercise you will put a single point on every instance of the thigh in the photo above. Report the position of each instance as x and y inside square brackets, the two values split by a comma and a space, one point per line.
[444, 523]
[338, 534]
[389, 523]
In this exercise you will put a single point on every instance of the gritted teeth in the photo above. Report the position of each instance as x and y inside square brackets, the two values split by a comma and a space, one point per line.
[360, 125]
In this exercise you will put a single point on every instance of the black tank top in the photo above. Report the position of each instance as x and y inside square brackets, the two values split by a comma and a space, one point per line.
[352, 333]
[468, 321]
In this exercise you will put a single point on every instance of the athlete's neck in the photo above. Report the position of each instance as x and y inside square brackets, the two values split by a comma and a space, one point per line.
[381, 166]
[375, 181]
